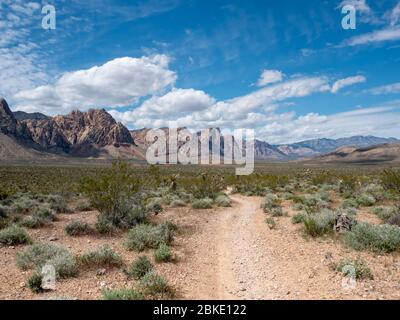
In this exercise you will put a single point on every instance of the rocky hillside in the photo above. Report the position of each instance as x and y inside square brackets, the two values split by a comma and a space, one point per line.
[78, 133]
[96, 134]
[388, 152]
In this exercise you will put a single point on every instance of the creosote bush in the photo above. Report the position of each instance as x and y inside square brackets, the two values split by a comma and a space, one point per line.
[394, 220]
[104, 257]
[116, 195]
[145, 236]
[381, 238]
[14, 235]
[38, 255]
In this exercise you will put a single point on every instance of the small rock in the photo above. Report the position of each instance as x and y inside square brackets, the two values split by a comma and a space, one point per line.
[103, 284]
[53, 238]
[101, 272]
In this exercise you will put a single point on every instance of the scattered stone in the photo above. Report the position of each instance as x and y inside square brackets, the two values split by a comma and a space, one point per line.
[101, 272]
[53, 238]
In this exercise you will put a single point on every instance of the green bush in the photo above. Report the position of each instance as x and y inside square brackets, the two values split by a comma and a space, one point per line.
[122, 294]
[381, 238]
[271, 223]
[350, 203]
[140, 267]
[163, 253]
[223, 201]
[35, 282]
[116, 195]
[362, 271]
[202, 203]
[384, 213]
[145, 236]
[78, 228]
[83, 206]
[58, 204]
[39, 255]
[365, 200]
[390, 180]
[104, 257]
[319, 224]
[299, 217]
[155, 285]
[14, 235]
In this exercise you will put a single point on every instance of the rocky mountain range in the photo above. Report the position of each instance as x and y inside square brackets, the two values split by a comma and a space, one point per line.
[95, 134]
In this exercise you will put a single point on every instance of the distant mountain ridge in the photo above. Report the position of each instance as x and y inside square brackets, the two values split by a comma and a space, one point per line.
[95, 133]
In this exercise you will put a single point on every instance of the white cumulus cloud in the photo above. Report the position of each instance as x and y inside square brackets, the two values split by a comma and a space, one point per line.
[119, 82]
[270, 76]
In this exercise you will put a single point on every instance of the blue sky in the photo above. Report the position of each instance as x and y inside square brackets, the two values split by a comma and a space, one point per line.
[284, 68]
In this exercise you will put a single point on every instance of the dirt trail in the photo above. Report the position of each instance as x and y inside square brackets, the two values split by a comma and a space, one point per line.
[229, 257]
[232, 254]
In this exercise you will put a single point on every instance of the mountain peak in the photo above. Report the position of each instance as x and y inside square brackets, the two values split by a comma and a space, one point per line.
[8, 123]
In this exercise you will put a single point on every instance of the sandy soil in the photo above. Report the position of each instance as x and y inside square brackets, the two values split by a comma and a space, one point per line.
[225, 253]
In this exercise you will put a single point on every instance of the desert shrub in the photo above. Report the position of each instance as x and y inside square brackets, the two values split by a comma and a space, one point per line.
[155, 205]
[104, 257]
[32, 222]
[394, 220]
[178, 203]
[104, 226]
[362, 271]
[299, 217]
[203, 186]
[270, 203]
[319, 224]
[390, 180]
[277, 212]
[384, 213]
[122, 294]
[205, 203]
[35, 282]
[155, 285]
[23, 205]
[83, 206]
[271, 223]
[41, 216]
[78, 228]
[298, 207]
[298, 199]
[366, 236]
[347, 185]
[4, 221]
[14, 235]
[287, 196]
[351, 212]
[375, 190]
[163, 253]
[38, 255]
[145, 236]
[140, 267]
[365, 200]
[324, 196]
[58, 204]
[116, 196]
[223, 201]
[350, 203]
